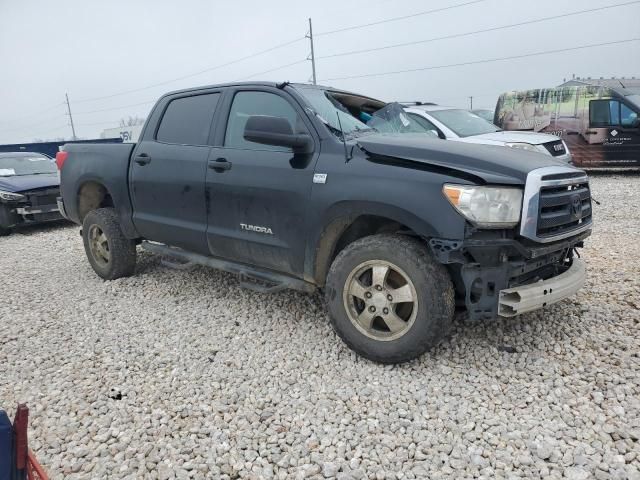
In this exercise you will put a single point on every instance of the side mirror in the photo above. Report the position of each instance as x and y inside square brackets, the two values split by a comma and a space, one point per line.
[276, 131]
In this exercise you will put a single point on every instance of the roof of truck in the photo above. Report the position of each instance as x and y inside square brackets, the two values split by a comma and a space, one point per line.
[259, 84]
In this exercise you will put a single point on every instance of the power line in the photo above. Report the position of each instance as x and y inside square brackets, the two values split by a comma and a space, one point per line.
[118, 108]
[475, 62]
[274, 69]
[475, 32]
[216, 67]
[32, 125]
[395, 19]
[19, 119]
[111, 122]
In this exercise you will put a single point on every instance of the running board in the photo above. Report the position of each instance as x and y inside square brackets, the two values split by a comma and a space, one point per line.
[253, 278]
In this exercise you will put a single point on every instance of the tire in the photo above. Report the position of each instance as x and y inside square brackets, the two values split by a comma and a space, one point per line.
[5, 216]
[398, 331]
[110, 253]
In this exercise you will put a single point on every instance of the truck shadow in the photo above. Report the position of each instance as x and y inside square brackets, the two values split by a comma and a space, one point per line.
[36, 228]
[527, 334]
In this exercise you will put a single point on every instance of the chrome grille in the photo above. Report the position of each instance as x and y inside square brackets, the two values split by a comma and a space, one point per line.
[555, 148]
[563, 208]
[556, 204]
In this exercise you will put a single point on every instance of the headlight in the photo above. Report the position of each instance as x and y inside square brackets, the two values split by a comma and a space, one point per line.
[10, 197]
[486, 207]
[523, 146]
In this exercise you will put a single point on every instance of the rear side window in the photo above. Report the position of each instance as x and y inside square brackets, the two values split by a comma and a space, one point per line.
[187, 120]
[246, 104]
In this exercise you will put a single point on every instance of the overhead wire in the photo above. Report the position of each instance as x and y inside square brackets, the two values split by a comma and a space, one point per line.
[476, 62]
[475, 32]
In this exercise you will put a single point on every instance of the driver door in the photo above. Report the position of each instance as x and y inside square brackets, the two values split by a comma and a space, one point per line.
[258, 194]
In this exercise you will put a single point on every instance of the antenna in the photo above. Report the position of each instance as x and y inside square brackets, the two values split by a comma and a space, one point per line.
[344, 141]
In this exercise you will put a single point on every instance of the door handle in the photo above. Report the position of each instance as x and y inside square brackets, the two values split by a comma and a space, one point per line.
[220, 165]
[142, 159]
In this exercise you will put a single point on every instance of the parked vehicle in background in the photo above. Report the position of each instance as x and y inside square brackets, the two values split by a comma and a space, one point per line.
[484, 113]
[464, 126]
[29, 187]
[285, 186]
[599, 124]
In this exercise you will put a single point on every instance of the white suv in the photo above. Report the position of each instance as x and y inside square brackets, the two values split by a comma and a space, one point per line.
[464, 126]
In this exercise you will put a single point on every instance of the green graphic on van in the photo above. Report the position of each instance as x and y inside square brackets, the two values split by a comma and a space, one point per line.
[600, 125]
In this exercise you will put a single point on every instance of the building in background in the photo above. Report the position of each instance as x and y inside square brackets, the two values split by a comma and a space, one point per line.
[128, 134]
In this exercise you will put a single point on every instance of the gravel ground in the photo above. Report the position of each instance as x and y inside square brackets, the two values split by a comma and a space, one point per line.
[184, 374]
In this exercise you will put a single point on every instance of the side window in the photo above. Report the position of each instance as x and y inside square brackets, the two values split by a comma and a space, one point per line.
[187, 120]
[628, 118]
[599, 113]
[246, 104]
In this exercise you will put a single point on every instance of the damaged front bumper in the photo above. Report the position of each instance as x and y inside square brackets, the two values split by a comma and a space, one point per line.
[507, 277]
[526, 298]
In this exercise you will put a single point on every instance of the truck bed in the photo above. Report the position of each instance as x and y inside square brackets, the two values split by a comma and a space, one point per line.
[107, 164]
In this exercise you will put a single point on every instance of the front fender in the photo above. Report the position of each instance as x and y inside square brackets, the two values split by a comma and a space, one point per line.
[340, 216]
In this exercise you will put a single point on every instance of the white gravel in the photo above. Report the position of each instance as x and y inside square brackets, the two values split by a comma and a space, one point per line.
[186, 375]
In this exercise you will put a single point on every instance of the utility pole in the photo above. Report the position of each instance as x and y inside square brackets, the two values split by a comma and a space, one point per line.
[313, 56]
[73, 129]
[471, 103]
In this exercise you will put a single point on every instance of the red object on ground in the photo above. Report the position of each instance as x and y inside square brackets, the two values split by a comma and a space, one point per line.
[34, 469]
[25, 459]
[20, 423]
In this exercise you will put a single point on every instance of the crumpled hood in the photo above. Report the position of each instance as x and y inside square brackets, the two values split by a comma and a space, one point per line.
[511, 136]
[492, 164]
[22, 183]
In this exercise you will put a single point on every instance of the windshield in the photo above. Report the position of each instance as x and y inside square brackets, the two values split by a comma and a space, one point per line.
[464, 123]
[26, 165]
[328, 109]
[358, 114]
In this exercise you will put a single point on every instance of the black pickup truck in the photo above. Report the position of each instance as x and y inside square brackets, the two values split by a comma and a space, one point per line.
[289, 186]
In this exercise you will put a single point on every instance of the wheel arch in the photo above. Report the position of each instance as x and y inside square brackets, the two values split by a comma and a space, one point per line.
[347, 223]
[93, 194]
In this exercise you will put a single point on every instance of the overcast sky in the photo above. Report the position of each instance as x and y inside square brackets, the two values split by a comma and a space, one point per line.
[96, 49]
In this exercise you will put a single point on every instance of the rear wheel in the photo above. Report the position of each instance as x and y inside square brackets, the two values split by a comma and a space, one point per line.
[110, 253]
[388, 299]
[4, 231]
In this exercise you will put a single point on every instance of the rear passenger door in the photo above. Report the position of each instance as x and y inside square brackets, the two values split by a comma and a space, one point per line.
[168, 171]
[259, 193]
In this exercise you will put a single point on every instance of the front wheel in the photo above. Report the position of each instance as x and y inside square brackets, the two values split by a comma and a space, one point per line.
[388, 299]
[110, 253]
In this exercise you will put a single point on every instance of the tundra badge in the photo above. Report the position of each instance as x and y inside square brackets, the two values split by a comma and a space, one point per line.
[255, 228]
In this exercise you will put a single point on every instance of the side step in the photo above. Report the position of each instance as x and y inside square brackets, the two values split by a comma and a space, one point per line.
[253, 278]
